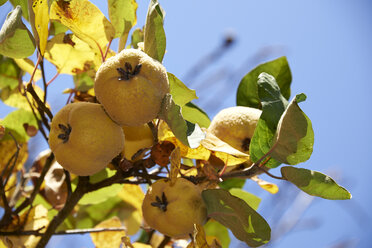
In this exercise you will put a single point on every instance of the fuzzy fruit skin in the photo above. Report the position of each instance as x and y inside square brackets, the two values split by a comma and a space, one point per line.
[137, 138]
[135, 101]
[235, 125]
[185, 207]
[93, 142]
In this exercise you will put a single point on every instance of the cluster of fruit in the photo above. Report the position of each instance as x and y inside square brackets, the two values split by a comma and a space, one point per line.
[130, 87]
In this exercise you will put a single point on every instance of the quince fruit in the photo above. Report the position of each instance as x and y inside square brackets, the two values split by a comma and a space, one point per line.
[235, 126]
[84, 139]
[174, 209]
[131, 86]
[137, 138]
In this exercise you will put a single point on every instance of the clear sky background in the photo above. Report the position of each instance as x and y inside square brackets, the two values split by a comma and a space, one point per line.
[328, 44]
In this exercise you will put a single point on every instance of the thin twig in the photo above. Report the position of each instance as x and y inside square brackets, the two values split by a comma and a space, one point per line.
[41, 105]
[44, 80]
[53, 78]
[107, 50]
[164, 242]
[65, 232]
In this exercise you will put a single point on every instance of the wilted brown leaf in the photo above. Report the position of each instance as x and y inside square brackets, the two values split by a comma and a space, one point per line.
[160, 152]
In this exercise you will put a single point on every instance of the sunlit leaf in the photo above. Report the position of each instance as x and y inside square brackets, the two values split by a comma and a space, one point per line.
[123, 16]
[15, 121]
[179, 91]
[252, 200]
[273, 105]
[315, 183]
[39, 22]
[24, 6]
[34, 219]
[108, 239]
[57, 28]
[194, 114]
[102, 194]
[84, 81]
[14, 98]
[9, 73]
[188, 133]
[247, 94]
[244, 222]
[85, 20]
[228, 154]
[10, 186]
[137, 37]
[154, 35]
[8, 150]
[198, 238]
[132, 194]
[294, 137]
[77, 57]
[165, 134]
[28, 66]
[175, 161]
[16, 41]
[214, 229]
[269, 187]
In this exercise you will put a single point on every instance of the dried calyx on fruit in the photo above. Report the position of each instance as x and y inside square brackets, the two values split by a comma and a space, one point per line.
[131, 87]
[84, 139]
[173, 209]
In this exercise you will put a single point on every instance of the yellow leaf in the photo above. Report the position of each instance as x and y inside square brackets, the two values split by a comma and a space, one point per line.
[85, 20]
[229, 155]
[28, 66]
[141, 245]
[108, 239]
[14, 98]
[9, 188]
[165, 134]
[36, 219]
[132, 215]
[7, 150]
[41, 9]
[270, 187]
[175, 161]
[70, 54]
[198, 238]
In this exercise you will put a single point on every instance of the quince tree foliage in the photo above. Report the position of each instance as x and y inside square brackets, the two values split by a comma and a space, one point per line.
[130, 125]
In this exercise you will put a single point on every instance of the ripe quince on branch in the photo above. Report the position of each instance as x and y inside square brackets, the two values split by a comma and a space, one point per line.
[84, 139]
[131, 86]
[174, 209]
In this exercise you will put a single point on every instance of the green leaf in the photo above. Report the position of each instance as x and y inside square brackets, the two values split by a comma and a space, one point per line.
[154, 35]
[123, 16]
[234, 213]
[294, 138]
[9, 73]
[15, 121]
[102, 194]
[273, 105]
[137, 37]
[179, 91]
[247, 94]
[2, 2]
[83, 81]
[252, 200]
[232, 183]
[196, 115]
[24, 6]
[16, 41]
[315, 183]
[188, 133]
[215, 229]
[14, 98]
[57, 28]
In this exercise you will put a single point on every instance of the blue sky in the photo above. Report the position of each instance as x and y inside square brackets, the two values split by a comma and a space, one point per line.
[328, 44]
